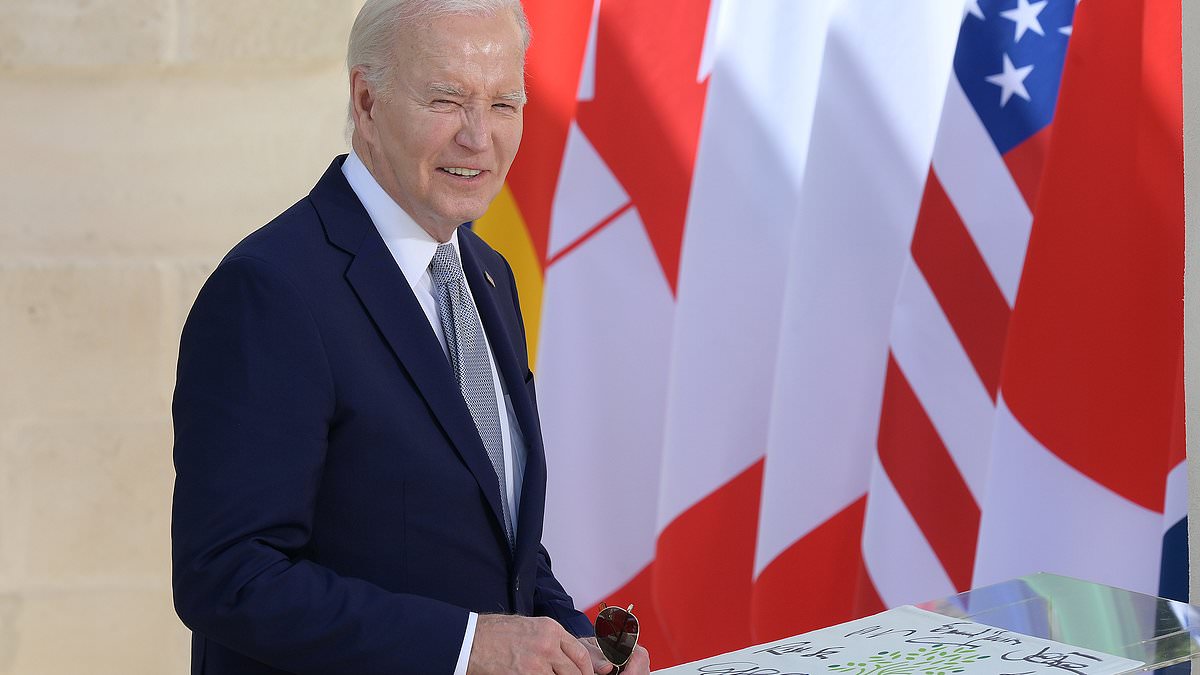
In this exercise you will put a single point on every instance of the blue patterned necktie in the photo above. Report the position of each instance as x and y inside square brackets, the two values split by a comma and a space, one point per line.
[470, 361]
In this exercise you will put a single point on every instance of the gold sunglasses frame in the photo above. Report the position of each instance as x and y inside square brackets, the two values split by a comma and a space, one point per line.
[636, 635]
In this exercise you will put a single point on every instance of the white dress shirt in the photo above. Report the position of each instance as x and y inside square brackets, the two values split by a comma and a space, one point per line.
[413, 249]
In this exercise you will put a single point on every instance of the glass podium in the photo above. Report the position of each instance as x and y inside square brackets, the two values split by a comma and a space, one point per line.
[1162, 633]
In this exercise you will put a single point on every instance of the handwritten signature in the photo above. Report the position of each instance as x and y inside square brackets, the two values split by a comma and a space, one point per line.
[740, 668]
[978, 636]
[1068, 661]
[804, 648]
[879, 631]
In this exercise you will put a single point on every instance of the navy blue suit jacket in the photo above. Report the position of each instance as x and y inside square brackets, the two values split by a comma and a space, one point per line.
[335, 510]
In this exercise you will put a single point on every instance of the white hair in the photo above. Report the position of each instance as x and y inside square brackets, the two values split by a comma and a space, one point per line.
[373, 37]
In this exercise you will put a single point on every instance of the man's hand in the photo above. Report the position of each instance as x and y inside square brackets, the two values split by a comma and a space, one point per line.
[529, 645]
[638, 664]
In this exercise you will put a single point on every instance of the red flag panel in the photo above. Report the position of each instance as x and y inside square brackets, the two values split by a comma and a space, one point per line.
[1097, 328]
[645, 117]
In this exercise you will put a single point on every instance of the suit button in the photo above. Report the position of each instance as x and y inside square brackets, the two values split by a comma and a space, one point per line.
[517, 586]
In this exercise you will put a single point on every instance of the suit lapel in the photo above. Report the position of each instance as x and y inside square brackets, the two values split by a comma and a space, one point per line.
[388, 299]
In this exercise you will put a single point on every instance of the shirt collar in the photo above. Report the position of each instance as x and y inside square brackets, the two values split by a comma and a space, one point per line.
[411, 246]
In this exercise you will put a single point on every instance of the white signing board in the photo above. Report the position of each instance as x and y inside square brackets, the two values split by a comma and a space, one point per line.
[910, 641]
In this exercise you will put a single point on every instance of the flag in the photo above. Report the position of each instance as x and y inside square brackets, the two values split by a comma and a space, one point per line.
[1087, 475]
[954, 300]
[769, 257]
[856, 207]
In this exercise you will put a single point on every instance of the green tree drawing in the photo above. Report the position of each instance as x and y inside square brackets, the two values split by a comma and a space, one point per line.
[938, 660]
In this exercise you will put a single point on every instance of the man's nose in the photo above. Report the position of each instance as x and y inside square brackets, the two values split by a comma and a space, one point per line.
[475, 132]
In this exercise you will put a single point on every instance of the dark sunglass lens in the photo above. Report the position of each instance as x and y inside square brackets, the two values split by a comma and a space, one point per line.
[617, 633]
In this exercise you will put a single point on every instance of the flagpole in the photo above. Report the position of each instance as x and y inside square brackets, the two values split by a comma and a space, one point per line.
[1191, 311]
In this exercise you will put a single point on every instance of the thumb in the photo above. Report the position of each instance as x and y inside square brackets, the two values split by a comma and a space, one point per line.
[600, 665]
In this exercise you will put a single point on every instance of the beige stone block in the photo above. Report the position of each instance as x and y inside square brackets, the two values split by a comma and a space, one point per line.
[99, 510]
[81, 340]
[264, 34]
[10, 607]
[84, 34]
[159, 165]
[98, 632]
[15, 491]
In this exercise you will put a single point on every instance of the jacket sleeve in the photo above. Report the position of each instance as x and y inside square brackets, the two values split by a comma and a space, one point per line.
[252, 409]
[551, 600]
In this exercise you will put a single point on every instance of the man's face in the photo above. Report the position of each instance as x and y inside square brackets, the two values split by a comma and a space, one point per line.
[441, 144]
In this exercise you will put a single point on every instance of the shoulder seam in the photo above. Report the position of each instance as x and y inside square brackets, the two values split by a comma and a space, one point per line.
[303, 302]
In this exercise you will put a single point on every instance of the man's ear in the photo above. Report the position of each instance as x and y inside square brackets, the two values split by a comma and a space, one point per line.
[362, 102]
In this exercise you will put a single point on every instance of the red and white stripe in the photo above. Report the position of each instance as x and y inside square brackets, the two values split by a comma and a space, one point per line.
[947, 343]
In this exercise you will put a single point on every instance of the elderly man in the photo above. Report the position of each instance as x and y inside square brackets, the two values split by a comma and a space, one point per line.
[360, 476]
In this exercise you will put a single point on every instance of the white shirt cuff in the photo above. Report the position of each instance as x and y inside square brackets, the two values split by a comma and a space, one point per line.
[464, 654]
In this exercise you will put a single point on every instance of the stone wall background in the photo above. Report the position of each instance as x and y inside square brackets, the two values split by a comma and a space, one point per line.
[141, 139]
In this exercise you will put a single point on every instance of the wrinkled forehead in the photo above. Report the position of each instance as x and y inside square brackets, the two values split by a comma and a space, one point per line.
[461, 48]
[450, 34]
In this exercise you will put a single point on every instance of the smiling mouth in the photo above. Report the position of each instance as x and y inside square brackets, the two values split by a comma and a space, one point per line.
[460, 172]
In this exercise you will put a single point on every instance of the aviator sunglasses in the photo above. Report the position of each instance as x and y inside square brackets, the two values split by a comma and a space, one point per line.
[617, 633]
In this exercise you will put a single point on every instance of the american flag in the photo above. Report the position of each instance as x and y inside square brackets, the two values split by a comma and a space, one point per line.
[956, 297]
